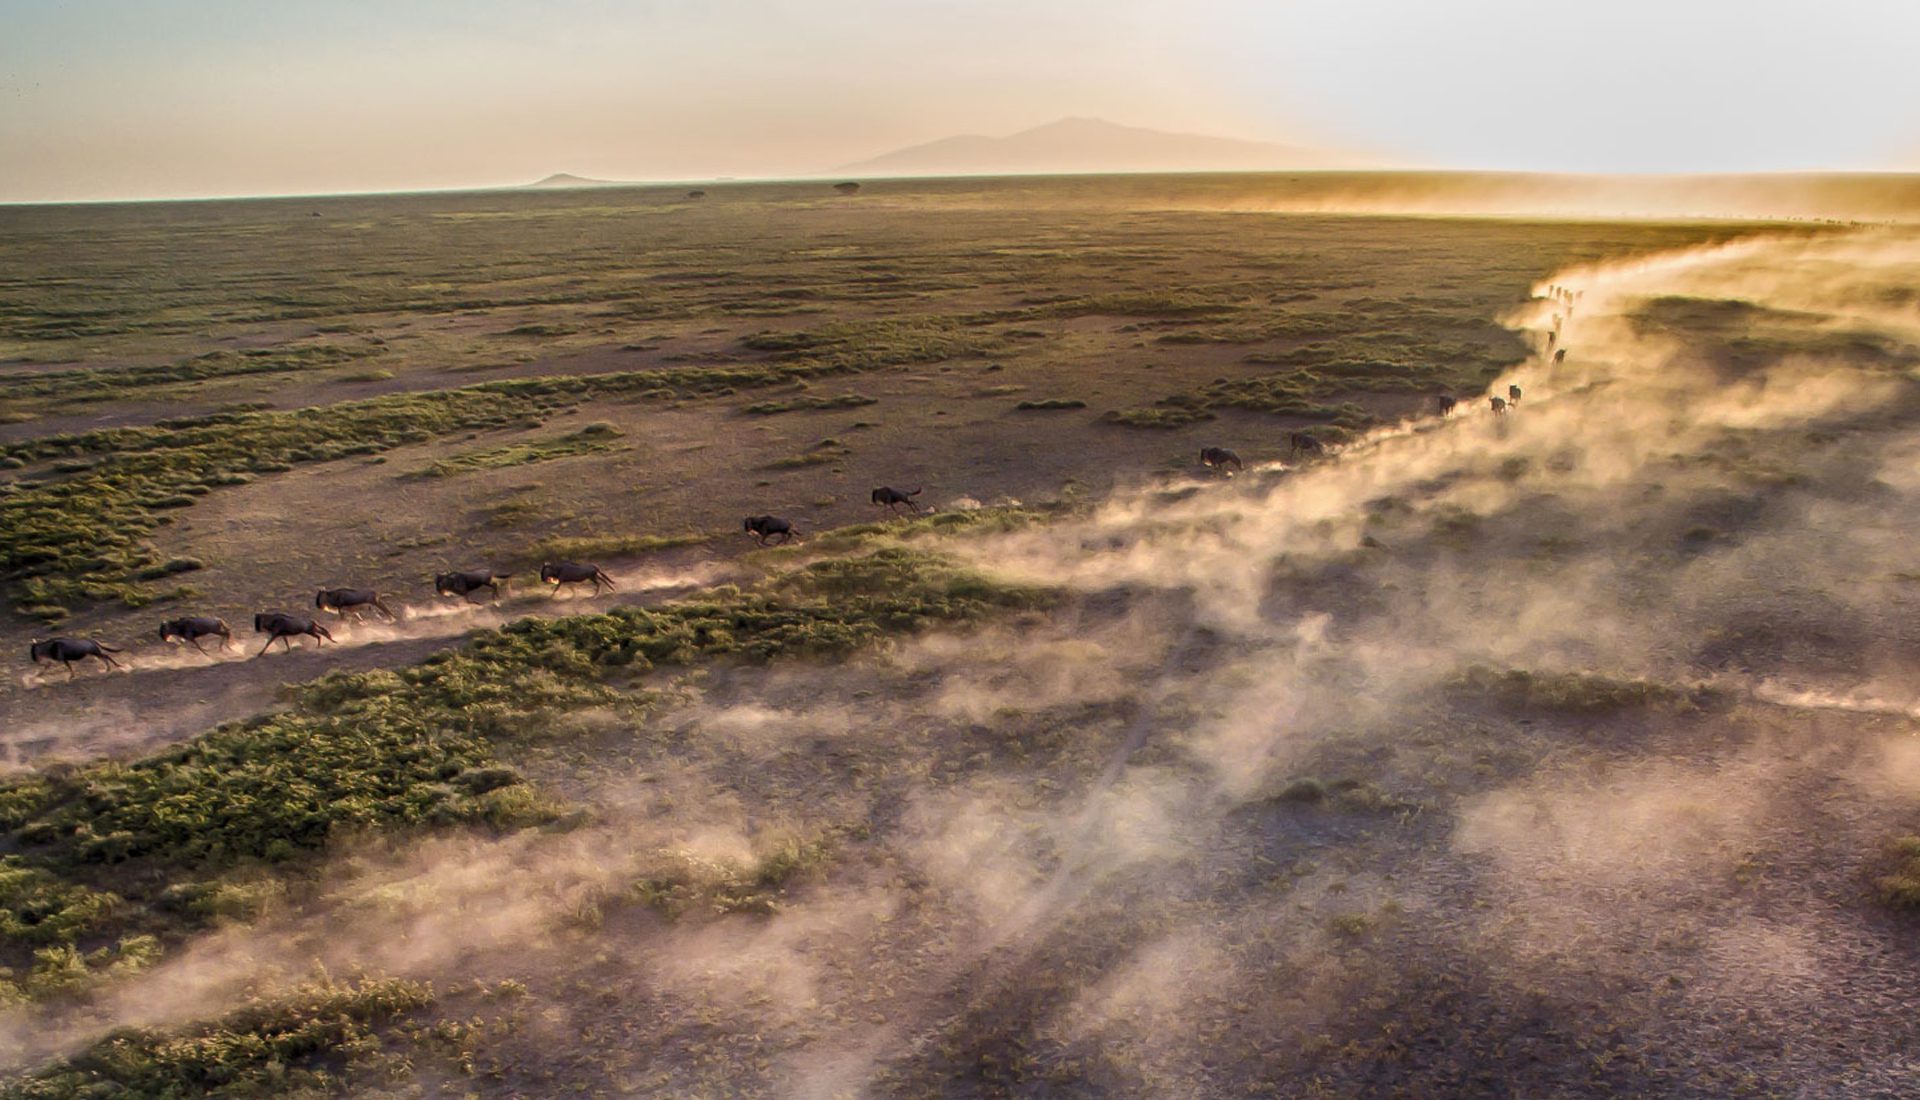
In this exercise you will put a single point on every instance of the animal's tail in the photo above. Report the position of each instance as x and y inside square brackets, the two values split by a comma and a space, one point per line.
[106, 647]
[913, 492]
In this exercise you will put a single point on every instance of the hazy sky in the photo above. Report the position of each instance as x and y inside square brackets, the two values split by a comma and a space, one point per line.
[123, 98]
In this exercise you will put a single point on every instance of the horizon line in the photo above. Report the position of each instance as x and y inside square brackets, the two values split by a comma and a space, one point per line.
[722, 181]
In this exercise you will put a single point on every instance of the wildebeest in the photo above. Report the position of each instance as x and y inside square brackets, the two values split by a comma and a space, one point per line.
[69, 650]
[763, 528]
[194, 628]
[468, 582]
[1552, 338]
[892, 498]
[1513, 395]
[557, 573]
[1444, 403]
[1499, 404]
[1301, 441]
[280, 627]
[342, 600]
[1560, 356]
[1220, 458]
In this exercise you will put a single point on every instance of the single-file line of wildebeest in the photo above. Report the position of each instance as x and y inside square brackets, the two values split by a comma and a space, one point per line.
[767, 530]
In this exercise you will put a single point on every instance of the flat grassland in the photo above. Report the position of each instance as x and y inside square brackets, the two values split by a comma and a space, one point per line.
[1550, 753]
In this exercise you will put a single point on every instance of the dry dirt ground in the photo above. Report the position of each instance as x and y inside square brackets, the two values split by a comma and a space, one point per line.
[1557, 752]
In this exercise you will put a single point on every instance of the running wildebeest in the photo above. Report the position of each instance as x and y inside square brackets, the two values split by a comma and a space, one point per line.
[1560, 356]
[763, 528]
[1301, 441]
[342, 600]
[467, 583]
[194, 628]
[1499, 404]
[1444, 403]
[1552, 338]
[557, 573]
[280, 627]
[69, 650]
[893, 498]
[1513, 395]
[1220, 457]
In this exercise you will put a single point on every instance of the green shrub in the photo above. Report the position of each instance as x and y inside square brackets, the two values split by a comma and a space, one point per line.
[289, 1046]
[1900, 888]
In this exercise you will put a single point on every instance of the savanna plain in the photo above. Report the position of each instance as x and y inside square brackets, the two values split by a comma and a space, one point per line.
[1561, 749]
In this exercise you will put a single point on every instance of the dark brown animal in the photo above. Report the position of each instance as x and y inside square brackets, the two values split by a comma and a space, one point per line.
[194, 628]
[1220, 457]
[69, 650]
[281, 627]
[763, 528]
[1560, 356]
[469, 582]
[1444, 403]
[1513, 395]
[558, 573]
[893, 498]
[1552, 338]
[1499, 404]
[1301, 441]
[342, 600]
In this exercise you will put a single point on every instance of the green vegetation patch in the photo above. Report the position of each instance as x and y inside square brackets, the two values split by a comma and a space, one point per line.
[104, 383]
[38, 908]
[318, 1040]
[1573, 692]
[812, 404]
[1900, 888]
[859, 346]
[681, 886]
[588, 440]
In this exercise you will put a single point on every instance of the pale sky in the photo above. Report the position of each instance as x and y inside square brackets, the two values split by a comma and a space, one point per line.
[164, 98]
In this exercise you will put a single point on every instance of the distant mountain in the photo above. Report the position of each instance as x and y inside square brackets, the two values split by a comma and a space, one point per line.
[1094, 145]
[563, 179]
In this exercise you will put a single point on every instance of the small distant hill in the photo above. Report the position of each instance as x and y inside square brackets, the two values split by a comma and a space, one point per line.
[1095, 145]
[564, 179]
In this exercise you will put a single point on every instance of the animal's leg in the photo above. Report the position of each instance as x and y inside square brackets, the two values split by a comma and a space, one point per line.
[198, 646]
[69, 665]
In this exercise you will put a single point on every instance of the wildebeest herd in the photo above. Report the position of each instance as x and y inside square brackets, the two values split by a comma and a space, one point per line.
[355, 603]
[1298, 443]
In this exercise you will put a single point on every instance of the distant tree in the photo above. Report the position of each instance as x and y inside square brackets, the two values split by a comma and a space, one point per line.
[846, 188]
